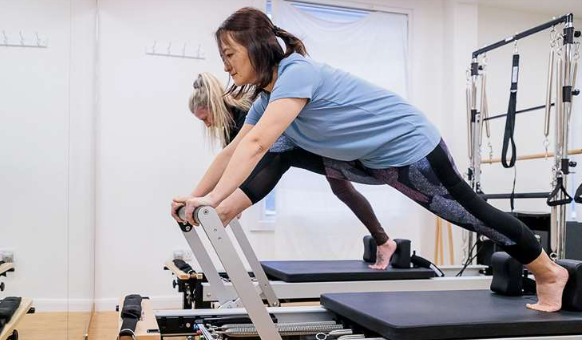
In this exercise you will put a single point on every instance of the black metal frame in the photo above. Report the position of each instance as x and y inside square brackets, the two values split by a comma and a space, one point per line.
[515, 195]
[563, 19]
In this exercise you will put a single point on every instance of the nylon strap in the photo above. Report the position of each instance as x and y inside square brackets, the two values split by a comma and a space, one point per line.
[510, 122]
[578, 195]
[552, 202]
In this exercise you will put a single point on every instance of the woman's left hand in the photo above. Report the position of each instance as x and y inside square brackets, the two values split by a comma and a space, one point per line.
[191, 203]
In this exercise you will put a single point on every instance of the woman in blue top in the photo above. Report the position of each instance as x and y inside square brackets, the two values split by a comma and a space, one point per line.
[365, 133]
[224, 116]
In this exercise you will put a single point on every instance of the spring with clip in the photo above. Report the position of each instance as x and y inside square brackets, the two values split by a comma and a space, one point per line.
[250, 325]
[285, 329]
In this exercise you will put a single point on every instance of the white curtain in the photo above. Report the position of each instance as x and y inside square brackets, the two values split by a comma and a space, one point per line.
[373, 46]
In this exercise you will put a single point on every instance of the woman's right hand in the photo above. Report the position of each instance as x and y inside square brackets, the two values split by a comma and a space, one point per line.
[174, 210]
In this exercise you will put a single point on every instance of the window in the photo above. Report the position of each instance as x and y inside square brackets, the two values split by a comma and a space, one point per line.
[370, 44]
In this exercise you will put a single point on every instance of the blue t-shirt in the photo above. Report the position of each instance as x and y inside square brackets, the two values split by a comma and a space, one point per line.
[347, 118]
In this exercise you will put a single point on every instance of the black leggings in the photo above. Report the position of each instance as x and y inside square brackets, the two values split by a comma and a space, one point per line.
[434, 183]
[273, 165]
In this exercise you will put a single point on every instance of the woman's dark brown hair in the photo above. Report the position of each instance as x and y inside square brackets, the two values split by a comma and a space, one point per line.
[254, 30]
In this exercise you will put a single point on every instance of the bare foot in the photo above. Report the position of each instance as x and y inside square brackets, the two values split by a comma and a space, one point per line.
[384, 253]
[550, 287]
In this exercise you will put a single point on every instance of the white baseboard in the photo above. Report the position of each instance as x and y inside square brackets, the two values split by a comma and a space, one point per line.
[62, 305]
[101, 305]
[158, 302]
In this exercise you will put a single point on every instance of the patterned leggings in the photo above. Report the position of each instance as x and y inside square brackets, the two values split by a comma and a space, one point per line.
[434, 183]
[274, 164]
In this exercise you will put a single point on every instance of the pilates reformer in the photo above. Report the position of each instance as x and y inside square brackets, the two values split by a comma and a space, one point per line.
[12, 309]
[501, 313]
[436, 315]
[564, 55]
[297, 281]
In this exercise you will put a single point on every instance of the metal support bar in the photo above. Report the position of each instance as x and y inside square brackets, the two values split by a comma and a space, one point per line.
[523, 34]
[558, 244]
[518, 112]
[516, 195]
[256, 266]
[302, 291]
[475, 144]
[237, 273]
[208, 267]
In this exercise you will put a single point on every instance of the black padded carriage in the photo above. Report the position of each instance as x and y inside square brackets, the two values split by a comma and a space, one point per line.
[340, 270]
[445, 315]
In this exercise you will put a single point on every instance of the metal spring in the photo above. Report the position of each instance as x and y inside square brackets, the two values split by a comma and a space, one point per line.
[285, 329]
[250, 325]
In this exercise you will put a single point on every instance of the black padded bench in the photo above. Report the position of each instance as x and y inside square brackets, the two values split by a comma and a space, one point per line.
[445, 315]
[339, 270]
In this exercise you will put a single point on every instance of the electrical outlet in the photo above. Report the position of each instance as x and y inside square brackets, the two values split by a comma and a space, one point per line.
[7, 256]
[184, 255]
[178, 255]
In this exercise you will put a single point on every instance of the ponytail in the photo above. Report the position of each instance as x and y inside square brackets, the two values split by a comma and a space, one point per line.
[254, 30]
[292, 43]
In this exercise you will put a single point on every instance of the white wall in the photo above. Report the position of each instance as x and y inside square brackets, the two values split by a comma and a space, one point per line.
[81, 188]
[459, 40]
[46, 118]
[150, 148]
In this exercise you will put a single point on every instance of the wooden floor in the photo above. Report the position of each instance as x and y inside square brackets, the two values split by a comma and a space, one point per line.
[55, 326]
[59, 326]
[104, 326]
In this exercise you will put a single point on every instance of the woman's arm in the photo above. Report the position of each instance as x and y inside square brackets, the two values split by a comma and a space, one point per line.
[277, 117]
[216, 169]
[212, 174]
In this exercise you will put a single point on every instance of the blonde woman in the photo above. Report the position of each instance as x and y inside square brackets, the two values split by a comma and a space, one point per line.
[224, 117]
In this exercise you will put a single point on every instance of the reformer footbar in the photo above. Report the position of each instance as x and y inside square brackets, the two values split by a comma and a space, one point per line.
[225, 299]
